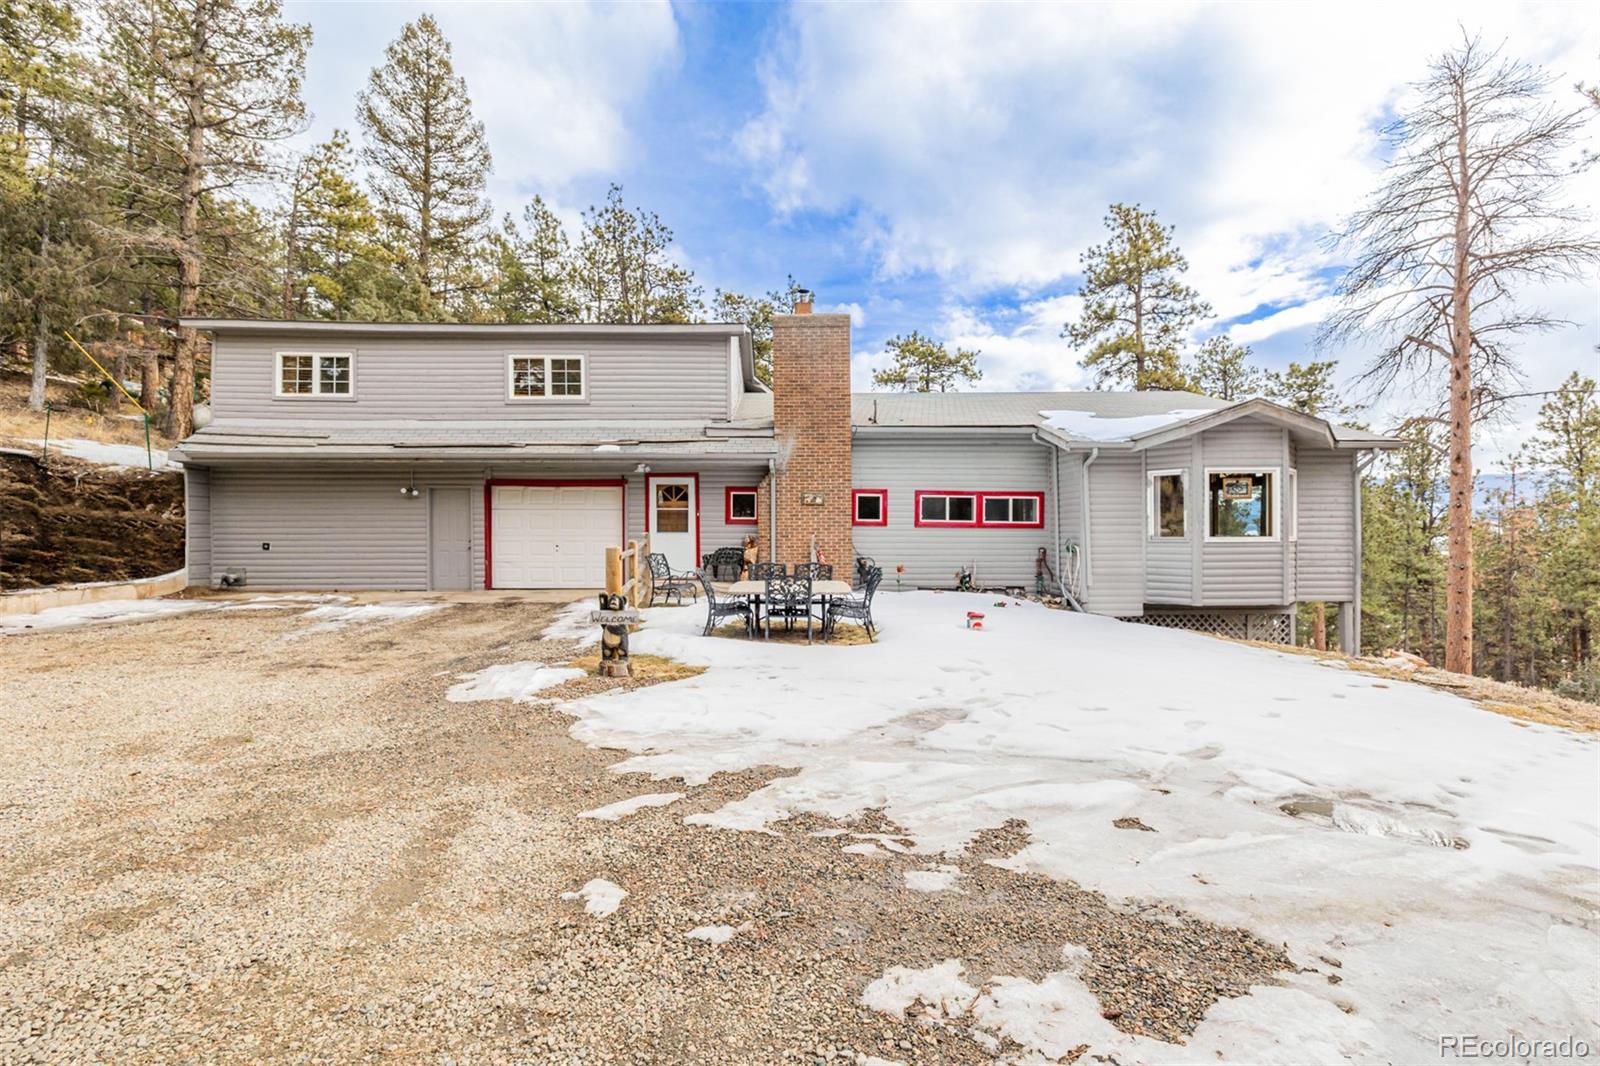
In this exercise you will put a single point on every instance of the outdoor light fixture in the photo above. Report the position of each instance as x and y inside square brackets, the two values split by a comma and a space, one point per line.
[642, 468]
[410, 491]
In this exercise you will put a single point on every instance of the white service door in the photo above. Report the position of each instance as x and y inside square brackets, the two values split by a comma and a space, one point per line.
[545, 537]
[674, 523]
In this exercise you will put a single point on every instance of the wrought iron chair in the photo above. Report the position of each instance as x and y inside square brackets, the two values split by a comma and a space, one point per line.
[858, 609]
[763, 571]
[724, 564]
[726, 607]
[665, 583]
[815, 571]
[787, 598]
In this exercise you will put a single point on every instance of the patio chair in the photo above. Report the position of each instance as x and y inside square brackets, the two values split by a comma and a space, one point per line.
[665, 583]
[718, 608]
[724, 564]
[787, 598]
[815, 571]
[858, 609]
[762, 571]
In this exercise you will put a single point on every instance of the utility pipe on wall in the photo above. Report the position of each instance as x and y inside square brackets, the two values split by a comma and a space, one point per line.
[1088, 525]
[772, 510]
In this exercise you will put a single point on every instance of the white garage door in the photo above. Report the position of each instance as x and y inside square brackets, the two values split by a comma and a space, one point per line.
[553, 538]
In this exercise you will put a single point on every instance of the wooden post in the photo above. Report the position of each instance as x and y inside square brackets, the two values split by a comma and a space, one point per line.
[613, 571]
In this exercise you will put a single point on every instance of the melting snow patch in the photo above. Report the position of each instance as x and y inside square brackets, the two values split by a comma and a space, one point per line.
[939, 878]
[716, 934]
[869, 850]
[334, 617]
[121, 456]
[615, 812]
[1085, 425]
[940, 987]
[600, 897]
[573, 624]
[518, 682]
[101, 613]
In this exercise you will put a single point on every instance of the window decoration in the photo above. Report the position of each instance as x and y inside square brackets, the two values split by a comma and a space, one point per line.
[740, 507]
[870, 507]
[315, 374]
[1240, 504]
[546, 377]
[1168, 504]
[672, 508]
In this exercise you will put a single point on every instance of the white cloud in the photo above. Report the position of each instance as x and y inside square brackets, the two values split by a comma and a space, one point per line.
[553, 83]
[981, 143]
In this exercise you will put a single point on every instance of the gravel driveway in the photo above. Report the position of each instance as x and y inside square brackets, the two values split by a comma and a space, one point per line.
[231, 836]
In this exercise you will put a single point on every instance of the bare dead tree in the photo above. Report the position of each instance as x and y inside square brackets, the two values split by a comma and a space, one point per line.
[1469, 213]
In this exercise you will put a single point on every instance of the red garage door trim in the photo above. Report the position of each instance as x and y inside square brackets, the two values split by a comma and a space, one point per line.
[546, 483]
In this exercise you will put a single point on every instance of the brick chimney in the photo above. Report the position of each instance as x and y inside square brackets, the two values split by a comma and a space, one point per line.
[811, 415]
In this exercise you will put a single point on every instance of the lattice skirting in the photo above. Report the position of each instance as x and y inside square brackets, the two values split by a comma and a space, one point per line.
[1274, 627]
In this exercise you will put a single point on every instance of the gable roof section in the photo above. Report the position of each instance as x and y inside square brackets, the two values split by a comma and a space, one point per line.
[931, 410]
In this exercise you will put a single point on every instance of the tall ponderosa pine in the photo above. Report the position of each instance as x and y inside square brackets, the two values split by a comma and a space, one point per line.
[207, 87]
[1137, 310]
[429, 162]
[922, 365]
[49, 204]
[533, 269]
[1222, 368]
[1471, 210]
[624, 271]
[335, 264]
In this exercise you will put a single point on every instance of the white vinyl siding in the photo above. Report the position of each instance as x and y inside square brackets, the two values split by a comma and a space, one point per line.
[465, 379]
[967, 466]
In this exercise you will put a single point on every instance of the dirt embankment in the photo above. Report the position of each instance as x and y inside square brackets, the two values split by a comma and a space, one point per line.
[72, 521]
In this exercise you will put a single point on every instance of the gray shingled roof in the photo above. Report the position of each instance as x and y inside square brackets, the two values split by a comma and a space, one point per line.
[933, 409]
[263, 439]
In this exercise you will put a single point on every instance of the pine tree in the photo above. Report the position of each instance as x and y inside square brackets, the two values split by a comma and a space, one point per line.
[1137, 312]
[206, 88]
[921, 365]
[429, 162]
[49, 206]
[1222, 368]
[1307, 388]
[756, 312]
[533, 268]
[1472, 208]
[623, 269]
[336, 262]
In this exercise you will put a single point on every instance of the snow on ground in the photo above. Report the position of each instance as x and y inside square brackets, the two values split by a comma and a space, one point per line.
[510, 681]
[615, 812]
[121, 456]
[103, 612]
[332, 612]
[1446, 856]
[601, 898]
[716, 934]
[1086, 425]
[573, 624]
[941, 877]
[337, 616]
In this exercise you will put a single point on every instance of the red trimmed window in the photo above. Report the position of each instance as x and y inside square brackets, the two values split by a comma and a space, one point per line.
[989, 510]
[1020, 510]
[739, 506]
[948, 509]
[870, 507]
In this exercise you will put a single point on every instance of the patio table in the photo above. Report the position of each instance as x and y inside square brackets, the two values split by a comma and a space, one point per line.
[820, 590]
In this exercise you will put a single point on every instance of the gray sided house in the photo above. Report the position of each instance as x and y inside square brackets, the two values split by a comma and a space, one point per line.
[434, 456]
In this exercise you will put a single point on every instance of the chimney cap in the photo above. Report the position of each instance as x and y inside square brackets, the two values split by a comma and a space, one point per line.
[802, 301]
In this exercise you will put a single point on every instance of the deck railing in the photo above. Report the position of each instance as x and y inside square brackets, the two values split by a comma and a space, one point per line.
[628, 571]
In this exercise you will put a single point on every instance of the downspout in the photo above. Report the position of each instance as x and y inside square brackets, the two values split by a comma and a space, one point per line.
[1362, 462]
[772, 509]
[1088, 524]
[1055, 495]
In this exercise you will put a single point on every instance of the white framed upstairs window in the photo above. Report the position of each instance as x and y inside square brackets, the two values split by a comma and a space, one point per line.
[1242, 505]
[557, 378]
[1168, 504]
[315, 375]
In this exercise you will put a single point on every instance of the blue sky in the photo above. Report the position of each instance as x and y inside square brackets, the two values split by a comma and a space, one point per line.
[941, 167]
